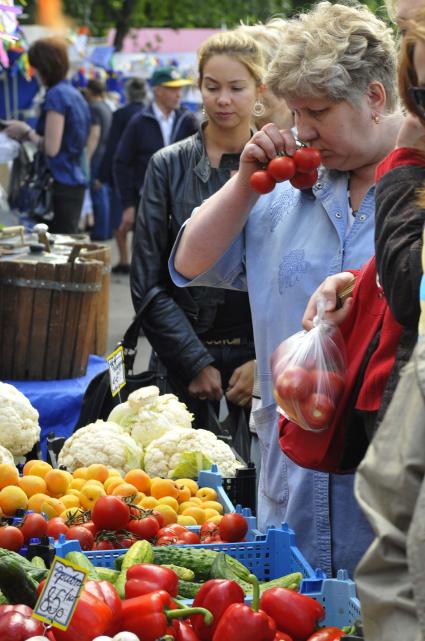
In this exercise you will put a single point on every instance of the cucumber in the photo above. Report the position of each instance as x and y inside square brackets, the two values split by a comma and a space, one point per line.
[188, 589]
[139, 552]
[81, 560]
[38, 562]
[199, 560]
[289, 581]
[15, 584]
[38, 574]
[183, 573]
[107, 574]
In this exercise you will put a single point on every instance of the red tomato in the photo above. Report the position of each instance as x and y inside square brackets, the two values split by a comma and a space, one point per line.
[82, 535]
[56, 526]
[11, 538]
[190, 538]
[124, 541]
[317, 410]
[146, 528]
[34, 526]
[233, 527]
[209, 528]
[159, 518]
[103, 545]
[329, 383]
[304, 181]
[211, 539]
[307, 159]
[329, 633]
[281, 168]
[262, 182]
[90, 526]
[287, 405]
[110, 513]
[167, 539]
[294, 383]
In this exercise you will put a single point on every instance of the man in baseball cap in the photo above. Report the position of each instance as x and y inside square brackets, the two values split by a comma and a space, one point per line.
[168, 76]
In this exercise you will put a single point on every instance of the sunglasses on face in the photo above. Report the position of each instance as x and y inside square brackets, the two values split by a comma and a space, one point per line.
[417, 94]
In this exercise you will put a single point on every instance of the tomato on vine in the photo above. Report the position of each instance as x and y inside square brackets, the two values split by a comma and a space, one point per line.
[281, 168]
[303, 180]
[262, 182]
[307, 159]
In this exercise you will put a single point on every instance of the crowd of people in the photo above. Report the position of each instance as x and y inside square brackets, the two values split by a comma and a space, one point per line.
[221, 275]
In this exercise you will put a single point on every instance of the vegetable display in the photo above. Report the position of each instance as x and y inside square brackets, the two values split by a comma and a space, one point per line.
[19, 428]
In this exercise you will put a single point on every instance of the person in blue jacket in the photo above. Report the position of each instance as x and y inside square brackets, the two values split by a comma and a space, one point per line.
[61, 132]
[337, 73]
[135, 93]
[161, 123]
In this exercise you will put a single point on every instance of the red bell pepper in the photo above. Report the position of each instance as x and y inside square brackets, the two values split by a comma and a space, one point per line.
[184, 631]
[149, 615]
[143, 578]
[215, 595]
[328, 633]
[90, 619]
[106, 592]
[296, 614]
[242, 623]
[282, 636]
[17, 624]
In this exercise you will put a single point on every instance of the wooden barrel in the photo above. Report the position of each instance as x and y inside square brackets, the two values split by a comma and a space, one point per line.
[46, 315]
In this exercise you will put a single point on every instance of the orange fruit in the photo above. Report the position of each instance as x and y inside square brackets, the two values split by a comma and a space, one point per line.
[32, 484]
[8, 475]
[216, 519]
[186, 520]
[93, 482]
[195, 500]
[214, 505]
[80, 473]
[40, 468]
[149, 502]
[197, 513]
[12, 498]
[114, 472]
[184, 506]
[170, 516]
[76, 484]
[184, 494]
[139, 479]
[52, 507]
[97, 471]
[89, 495]
[112, 483]
[207, 494]
[209, 513]
[36, 500]
[57, 481]
[70, 500]
[164, 487]
[125, 489]
[28, 465]
[190, 483]
[169, 500]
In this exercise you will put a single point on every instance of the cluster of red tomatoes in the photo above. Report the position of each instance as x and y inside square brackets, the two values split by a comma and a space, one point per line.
[308, 396]
[300, 169]
[113, 524]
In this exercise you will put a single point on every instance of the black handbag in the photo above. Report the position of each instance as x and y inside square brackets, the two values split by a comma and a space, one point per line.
[98, 401]
[35, 195]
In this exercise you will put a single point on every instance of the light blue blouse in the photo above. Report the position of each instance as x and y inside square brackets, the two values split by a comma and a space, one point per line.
[290, 243]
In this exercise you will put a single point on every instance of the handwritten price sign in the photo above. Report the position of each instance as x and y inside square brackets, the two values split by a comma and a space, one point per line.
[116, 370]
[60, 594]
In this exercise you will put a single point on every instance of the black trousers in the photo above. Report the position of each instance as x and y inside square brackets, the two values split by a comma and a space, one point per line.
[67, 204]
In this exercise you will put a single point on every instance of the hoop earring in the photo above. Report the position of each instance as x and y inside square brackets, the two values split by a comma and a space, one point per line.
[204, 112]
[258, 109]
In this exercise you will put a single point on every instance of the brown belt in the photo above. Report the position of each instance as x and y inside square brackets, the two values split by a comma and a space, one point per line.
[224, 341]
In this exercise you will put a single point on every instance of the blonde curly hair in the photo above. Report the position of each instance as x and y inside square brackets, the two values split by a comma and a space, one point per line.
[268, 35]
[335, 51]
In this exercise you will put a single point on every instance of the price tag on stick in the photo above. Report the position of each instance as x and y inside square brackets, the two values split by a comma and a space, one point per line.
[59, 596]
[116, 370]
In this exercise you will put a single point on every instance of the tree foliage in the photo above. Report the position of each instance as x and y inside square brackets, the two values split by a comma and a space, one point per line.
[101, 15]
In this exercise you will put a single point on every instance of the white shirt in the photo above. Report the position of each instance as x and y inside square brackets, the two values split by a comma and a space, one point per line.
[166, 123]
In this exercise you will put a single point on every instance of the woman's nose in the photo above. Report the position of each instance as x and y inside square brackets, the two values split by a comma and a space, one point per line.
[305, 130]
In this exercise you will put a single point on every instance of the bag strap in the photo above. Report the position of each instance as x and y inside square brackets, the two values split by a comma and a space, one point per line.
[131, 336]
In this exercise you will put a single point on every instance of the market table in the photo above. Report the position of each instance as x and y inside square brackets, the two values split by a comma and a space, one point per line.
[59, 401]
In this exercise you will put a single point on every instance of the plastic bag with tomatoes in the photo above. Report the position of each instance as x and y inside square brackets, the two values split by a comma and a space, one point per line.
[308, 373]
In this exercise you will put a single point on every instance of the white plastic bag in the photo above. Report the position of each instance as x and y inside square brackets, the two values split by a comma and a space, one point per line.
[9, 148]
[308, 372]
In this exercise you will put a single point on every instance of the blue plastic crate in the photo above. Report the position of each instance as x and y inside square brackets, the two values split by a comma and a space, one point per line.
[269, 556]
[338, 597]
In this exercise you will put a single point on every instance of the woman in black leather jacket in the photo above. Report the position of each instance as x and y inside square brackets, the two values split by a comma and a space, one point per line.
[203, 336]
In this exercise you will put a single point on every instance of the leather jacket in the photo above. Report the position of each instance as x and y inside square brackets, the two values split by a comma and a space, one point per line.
[179, 177]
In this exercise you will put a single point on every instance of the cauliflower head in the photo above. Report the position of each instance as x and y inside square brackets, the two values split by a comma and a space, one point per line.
[101, 442]
[147, 419]
[163, 455]
[6, 456]
[19, 428]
